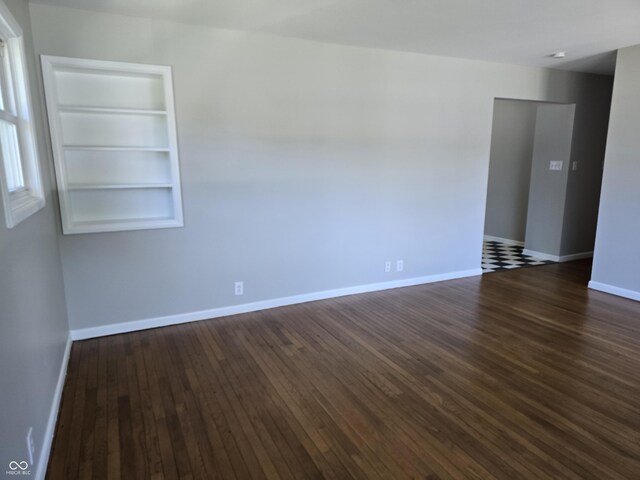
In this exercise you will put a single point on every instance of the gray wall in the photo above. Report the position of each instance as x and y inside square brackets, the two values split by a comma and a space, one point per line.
[583, 185]
[32, 313]
[304, 165]
[617, 257]
[548, 189]
[514, 124]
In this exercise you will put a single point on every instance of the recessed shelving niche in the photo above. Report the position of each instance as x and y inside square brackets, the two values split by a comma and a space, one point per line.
[114, 144]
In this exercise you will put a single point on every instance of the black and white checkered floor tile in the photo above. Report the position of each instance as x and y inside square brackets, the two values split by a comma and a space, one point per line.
[498, 256]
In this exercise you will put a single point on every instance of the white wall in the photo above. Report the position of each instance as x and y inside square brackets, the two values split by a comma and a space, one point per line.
[304, 165]
[548, 189]
[616, 266]
[514, 124]
[32, 305]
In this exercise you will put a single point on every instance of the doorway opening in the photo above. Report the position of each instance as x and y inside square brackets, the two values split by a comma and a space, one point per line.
[535, 180]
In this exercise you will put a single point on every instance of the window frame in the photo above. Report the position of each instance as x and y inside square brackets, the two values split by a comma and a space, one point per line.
[25, 201]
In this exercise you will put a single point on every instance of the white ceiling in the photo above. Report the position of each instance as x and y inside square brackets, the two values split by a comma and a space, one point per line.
[524, 32]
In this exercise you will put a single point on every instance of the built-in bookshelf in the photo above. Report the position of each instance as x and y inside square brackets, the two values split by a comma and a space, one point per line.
[114, 144]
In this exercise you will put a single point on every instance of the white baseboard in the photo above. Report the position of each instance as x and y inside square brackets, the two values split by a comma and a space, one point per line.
[620, 292]
[45, 450]
[124, 327]
[508, 241]
[557, 258]
[541, 255]
[575, 256]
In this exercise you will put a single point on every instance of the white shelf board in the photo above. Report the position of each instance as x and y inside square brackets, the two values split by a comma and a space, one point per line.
[115, 186]
[108, 110]
[116, 149]
[114, 69]
[121, 225]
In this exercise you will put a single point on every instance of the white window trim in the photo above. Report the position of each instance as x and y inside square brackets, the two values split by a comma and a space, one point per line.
[23, 203]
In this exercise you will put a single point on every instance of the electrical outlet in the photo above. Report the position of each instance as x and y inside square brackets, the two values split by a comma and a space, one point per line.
[31, 448]
[239, 288]
[387, 267]
[575, 165]
[399, 265]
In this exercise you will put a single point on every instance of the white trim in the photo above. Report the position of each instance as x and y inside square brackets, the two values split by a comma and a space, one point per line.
[556, 258]
[124, 327]
[621, 292]
[575, 256]
[508, 241]
[16, 212]
[45, 450]
[540, 255]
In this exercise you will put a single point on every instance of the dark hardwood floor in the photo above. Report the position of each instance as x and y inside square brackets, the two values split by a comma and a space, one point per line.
[516, 375]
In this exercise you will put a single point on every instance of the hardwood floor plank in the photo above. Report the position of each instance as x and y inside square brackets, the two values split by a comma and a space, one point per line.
[113, 434]
[228, 402]
[165, 446]
[89, 418]
[455, 364]
[219, 430]
[207, 426]
[72, 457]
[524, 374]
[100, 445]
[148, 434]
[188, 460]
[455, 460]
[346, 442]
[303, 418]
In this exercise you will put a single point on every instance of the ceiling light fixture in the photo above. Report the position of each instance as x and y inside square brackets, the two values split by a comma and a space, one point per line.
[559, 55]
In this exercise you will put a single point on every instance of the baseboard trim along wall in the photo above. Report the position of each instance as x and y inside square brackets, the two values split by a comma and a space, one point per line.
[620, 292]
[556, 258]
[43, 459]
[124, 327]
[508, 241]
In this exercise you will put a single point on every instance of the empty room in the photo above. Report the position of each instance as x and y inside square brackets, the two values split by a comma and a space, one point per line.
[304, 239]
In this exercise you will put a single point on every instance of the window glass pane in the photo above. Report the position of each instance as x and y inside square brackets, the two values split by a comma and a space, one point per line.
[11, 156]
[8, 98]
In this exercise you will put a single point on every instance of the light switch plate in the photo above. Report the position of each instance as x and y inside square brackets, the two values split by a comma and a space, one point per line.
[555, 165]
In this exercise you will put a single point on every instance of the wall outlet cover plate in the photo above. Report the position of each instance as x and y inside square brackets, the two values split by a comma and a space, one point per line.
[555, 165]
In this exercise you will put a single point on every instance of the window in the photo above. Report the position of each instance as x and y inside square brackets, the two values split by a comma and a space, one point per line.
[20, 181]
